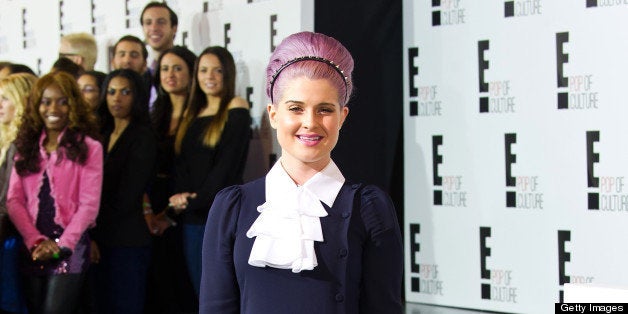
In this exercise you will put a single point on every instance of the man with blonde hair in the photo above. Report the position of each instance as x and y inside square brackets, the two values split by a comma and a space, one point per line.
[81, 48]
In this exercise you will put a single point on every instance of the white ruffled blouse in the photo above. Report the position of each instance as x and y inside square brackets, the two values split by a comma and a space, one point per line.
[289, 220]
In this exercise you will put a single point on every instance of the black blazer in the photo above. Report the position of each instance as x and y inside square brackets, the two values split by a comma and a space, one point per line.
[127, 170]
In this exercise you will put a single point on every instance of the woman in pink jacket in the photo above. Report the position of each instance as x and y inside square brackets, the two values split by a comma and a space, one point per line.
[54, 192]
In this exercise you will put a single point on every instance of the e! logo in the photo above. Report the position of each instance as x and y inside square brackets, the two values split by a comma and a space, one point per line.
[437, 159]
[485, 251]
[561, 59]
[413, 71]
[92, 9]
[127, 12]
[563, 257]
[273, 32]
[592, 180]
[415, 247]
[226, 34]
[483, 65]
[249, 92]
[511, 196]
[24, 33]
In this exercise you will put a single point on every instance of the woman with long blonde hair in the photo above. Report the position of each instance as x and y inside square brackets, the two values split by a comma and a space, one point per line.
[14, 90]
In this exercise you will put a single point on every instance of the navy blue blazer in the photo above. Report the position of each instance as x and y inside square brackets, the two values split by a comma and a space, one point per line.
[360, 262]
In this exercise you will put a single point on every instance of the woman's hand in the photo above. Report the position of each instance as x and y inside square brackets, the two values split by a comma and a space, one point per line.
[180, 201]
[150, 222]
[160, 223]
[45, 250]
[157, 224]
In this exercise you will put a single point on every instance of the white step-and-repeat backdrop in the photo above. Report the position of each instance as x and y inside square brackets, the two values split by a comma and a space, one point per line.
[516, 150]
[250, 29]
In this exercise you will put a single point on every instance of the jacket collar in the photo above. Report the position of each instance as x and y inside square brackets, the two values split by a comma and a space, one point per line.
[42, 137]
[325, 185]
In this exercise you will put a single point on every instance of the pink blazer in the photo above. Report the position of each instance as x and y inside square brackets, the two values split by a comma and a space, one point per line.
[74, 187]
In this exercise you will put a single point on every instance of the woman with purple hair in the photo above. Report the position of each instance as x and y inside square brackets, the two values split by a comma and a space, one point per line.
[303, 239]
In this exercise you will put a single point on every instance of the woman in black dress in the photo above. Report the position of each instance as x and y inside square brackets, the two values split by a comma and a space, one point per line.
[211, 147]
[168, 290]
[121, 232]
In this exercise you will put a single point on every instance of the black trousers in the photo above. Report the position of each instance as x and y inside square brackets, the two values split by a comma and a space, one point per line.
[53, 294]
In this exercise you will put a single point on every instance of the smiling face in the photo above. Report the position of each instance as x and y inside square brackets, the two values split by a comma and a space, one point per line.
[174, 74]
[54, 109]
[158, 29]
[307, 118]
[210, 75]
[7, 108]
[120, 97]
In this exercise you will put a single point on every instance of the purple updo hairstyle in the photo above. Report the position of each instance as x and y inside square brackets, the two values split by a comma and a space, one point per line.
[314, 45]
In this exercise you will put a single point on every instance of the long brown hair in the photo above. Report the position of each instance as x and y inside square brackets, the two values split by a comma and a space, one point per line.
[81, 123]
[198, 100]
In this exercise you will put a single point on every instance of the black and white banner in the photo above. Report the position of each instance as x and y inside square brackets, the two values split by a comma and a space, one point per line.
[515, 150]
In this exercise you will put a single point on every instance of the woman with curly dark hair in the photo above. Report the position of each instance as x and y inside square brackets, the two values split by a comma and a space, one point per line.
[54, 192]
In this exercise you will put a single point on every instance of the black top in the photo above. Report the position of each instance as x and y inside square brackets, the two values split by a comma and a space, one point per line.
[165, 156]
[127, 169]
[46, 214]
[204, 170]
[162, 186]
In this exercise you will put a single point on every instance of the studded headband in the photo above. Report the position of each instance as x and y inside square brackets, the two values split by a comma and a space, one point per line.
[308, 58]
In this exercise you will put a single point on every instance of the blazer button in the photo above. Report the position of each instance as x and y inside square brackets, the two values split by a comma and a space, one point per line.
[346, 215]
[342, 253]
[340, 297]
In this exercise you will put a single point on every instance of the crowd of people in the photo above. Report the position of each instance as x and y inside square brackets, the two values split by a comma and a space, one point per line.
[123, 192]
